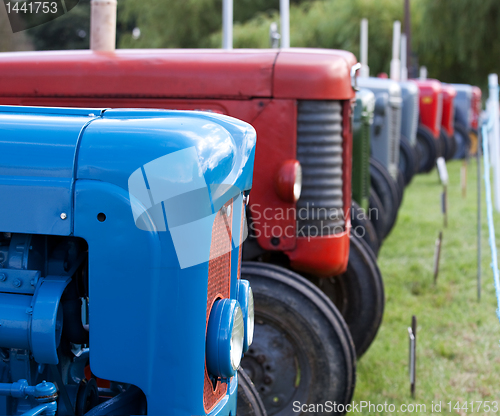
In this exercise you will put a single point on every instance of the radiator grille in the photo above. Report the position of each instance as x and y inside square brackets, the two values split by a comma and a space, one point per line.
[365, 167]
[439, 112]
[319, 151]
[219, 286]
[394, 132]
[414, 121]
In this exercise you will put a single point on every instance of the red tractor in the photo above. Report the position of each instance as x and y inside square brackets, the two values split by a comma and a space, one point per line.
[300, 103]
[429, 128]
[447, 133]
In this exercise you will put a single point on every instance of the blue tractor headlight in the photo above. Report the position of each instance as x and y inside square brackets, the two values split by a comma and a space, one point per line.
[225, 337]
[245, 298]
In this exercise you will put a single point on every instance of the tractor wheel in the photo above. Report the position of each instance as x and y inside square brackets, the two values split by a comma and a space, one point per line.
[363, 228]
[358, 294]
[427, 149]
[444, 144]
[249, 402]
[387, 190]
[463, 141]
[407, 159]
[302, 349]
[401, 187]
[474, 142]
[377, 216]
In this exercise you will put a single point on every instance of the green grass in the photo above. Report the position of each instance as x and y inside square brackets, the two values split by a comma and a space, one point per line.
[458, 349]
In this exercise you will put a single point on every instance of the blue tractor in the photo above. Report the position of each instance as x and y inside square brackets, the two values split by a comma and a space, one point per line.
[120, 252]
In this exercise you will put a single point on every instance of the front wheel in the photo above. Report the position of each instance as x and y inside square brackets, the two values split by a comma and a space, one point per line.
[427, 149]
[358, 294]
[249, 402]
[302, 350]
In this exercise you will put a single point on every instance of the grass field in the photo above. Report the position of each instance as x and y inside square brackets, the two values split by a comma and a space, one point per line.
[458, 348]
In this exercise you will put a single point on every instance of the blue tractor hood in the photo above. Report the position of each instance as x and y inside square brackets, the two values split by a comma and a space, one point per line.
[45, 151]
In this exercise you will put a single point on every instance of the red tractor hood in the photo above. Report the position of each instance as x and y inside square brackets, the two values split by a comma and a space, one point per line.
[232, 74]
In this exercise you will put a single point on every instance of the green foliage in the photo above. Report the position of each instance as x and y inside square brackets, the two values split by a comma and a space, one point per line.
[332, 24]
[459, 40]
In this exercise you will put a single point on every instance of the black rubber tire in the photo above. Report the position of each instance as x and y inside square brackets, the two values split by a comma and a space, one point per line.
[377, 215]
[463, 141]
[443, 143]
[363, 228]
[302, 349]
[387, 190]
[401, 187]
[358, 294]
[451, 146]
[249, 402]
[427, 149]
[407, 159]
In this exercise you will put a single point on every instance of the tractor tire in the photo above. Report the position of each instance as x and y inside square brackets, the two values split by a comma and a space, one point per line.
[377, 216]
[401, 187]
[427, 149]
[363, 228]
[444, 144]
[387, 190]
[302, 349]
[407, 159]
[463, 141]
[249, 402]
[358, 294]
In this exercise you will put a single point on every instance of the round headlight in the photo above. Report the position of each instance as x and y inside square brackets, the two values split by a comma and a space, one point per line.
[225, 337]
[237, 336]
[245, 298]
[288, 181]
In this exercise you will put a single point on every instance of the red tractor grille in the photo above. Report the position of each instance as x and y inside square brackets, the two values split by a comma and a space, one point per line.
[219, 287]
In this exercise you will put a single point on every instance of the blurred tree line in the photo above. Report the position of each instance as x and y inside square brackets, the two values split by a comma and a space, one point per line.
[458, 40]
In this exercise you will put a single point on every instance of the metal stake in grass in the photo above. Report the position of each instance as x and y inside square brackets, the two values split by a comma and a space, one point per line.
[443, 177]
[412, 335]
[437, 256]
[478, 159]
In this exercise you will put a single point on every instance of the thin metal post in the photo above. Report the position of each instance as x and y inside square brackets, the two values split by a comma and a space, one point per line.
[365, 69]
[285, 23]
[409, 63]
[412, 334]
[495, 137]
[478, 159]
[227, 24]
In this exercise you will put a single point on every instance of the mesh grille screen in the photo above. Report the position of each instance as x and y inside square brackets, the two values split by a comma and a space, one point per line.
[219, 286]
[319, 151]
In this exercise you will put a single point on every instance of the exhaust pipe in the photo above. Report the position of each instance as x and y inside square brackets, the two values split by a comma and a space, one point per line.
[423, 73]
[103, 25]
[395, 63]
[227, 24]
[285, 23]
[404, 68]
[365, 69]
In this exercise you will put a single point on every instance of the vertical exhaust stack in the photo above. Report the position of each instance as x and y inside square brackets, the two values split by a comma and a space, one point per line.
[227, 24]
[285, 23]
[404, 68]
[365, 69]
[395, 63]
[423, 73]
[103, 25]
